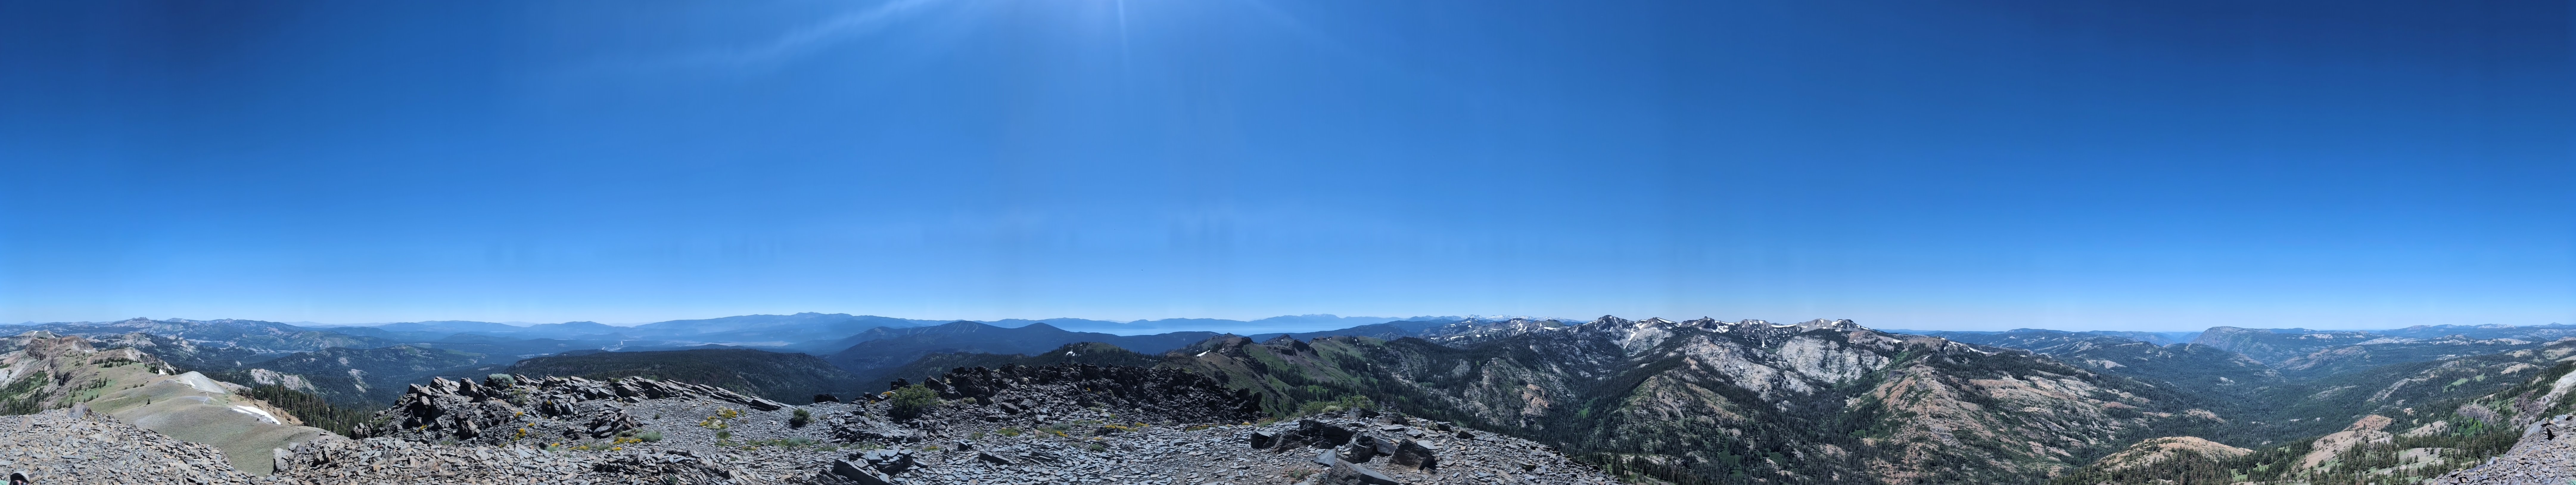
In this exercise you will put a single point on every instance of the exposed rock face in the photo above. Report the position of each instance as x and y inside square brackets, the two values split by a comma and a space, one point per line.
[561, 408]
[2158, 450]
[2366, 430]
[2542, 456]
[1835, 402]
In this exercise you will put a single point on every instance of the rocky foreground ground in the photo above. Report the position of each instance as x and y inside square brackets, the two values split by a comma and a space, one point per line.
[1017, 425]
[2541, 457]
[74, 446]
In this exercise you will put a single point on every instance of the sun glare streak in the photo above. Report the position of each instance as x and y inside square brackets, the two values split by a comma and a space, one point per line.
[1123, 46]
[800, 40]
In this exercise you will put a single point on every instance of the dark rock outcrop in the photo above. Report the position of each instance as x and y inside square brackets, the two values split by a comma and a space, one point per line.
[464, 410]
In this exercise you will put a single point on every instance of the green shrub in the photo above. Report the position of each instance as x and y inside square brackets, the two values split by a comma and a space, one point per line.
[911, 401]
[649, 436]
[800, 419]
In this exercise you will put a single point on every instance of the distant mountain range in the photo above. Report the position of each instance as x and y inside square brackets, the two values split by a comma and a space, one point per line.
[370, 364]
[875, 348]
[1695, 401]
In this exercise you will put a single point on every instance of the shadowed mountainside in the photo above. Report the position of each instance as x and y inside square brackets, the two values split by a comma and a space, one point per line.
[783, 377]
[1093, 353]
[882, 350]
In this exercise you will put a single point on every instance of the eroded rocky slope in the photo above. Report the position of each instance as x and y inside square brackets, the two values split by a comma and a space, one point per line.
[2543, 455]
[1824, 401]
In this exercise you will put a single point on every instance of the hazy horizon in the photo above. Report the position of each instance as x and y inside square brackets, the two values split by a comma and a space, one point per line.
[1163, 329]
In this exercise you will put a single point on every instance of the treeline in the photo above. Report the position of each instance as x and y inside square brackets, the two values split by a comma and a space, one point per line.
[933, 365]
[21, 396]
[2268, 464]
[312, 409]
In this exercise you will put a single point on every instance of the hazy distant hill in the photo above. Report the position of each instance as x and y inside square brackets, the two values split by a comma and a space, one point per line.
[779, 376]
[2010, 338]
[2552, 331]
[1278, 324]
[1093, 353]
[425, 331]
[887, 348]
[2278, 344]
[258, 337]
[769, 330]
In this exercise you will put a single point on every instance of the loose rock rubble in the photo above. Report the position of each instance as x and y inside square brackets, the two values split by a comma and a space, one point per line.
[2547, 447]
[63, 446]
[388, 460]
[1315, 451]
[1087, 424]
[571, 407]
[1014, 425]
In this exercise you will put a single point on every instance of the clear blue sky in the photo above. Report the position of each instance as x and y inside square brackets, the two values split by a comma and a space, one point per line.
[1953, 164]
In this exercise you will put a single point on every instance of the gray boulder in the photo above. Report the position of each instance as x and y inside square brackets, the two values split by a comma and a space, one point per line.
[1416, 454]
[859, 473]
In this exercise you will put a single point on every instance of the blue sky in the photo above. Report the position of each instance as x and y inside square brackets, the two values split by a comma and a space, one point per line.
[1961, 165]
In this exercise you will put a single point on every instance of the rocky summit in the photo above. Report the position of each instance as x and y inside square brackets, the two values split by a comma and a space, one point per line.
[507, 408]
[1096, 424]
[75, 446]
[1068, 423]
